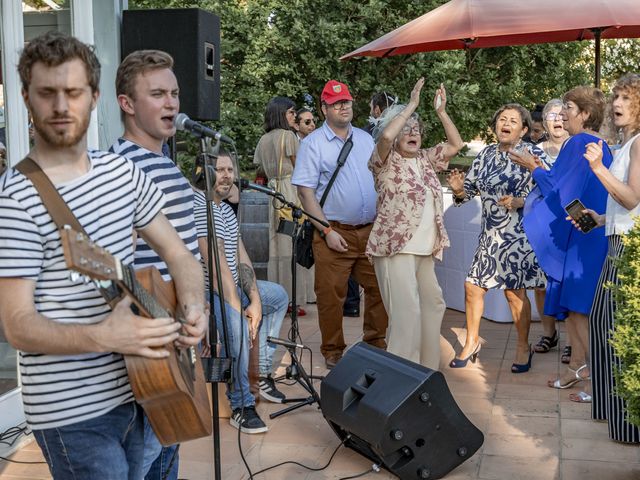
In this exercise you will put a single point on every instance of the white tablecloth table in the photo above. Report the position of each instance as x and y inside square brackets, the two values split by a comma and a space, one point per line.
[463, 226]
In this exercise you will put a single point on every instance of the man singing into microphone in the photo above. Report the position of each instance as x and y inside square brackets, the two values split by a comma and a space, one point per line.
[264, 304]
[147, 92]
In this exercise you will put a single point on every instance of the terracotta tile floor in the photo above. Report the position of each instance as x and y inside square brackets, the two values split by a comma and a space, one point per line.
[531, 432]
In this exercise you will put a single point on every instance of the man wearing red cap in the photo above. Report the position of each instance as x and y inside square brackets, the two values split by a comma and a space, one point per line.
[350, 209]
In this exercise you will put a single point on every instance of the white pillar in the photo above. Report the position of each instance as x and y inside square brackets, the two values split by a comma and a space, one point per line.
[15, 113]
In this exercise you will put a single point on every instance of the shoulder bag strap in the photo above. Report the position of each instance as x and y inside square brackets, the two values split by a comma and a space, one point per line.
[342, 159]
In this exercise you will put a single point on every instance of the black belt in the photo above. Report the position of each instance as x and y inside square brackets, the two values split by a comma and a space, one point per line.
[345, 226]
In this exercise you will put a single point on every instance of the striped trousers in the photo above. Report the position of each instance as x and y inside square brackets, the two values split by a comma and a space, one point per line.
[606, 404]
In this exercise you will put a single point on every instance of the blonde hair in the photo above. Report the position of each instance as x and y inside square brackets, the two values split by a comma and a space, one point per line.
[138, 62]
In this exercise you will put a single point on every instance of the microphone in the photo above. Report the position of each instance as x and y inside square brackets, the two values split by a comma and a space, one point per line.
[284, 343]
[183, 122]
[244, 184]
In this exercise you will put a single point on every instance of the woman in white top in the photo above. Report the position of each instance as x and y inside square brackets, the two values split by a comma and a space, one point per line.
[556, 135]
[622, 181]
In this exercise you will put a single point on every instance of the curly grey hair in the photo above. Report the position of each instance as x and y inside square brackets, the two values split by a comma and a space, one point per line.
[389, 114]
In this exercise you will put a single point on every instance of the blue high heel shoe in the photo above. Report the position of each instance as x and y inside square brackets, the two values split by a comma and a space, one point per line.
[522, 367]
[462, 362]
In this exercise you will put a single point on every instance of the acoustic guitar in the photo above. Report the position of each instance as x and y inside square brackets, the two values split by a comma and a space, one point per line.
[172, 391]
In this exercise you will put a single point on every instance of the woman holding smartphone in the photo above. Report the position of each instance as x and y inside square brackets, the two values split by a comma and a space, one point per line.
[571, 259]
[622, 181]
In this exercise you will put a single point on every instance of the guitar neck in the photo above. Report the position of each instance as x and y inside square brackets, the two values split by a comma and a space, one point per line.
[143, 299]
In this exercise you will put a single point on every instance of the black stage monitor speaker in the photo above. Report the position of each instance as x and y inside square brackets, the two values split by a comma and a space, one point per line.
[192, 37]
[398, 414]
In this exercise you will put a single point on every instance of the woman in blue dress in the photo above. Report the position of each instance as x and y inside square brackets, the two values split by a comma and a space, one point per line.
[571, 259]
[503, 259]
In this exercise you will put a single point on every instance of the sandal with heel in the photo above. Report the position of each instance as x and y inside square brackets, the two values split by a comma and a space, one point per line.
[523, 367]
[557, 383]
[566, 354]
[546, 343]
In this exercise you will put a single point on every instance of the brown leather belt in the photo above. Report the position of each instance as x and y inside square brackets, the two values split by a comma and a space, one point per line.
[345, 226]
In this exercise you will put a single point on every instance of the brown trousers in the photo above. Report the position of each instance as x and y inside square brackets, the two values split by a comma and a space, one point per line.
[332, 273]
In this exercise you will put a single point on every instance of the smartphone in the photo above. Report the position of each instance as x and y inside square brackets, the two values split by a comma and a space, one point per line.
[584, 220]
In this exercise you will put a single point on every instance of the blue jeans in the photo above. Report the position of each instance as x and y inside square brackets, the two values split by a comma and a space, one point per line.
[109, 447]
[274, 300]
[157, 458]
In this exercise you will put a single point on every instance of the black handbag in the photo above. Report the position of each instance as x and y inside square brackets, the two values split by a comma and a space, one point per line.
[304, 241]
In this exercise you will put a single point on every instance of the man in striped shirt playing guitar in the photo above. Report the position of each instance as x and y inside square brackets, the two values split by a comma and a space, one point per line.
[75, 389]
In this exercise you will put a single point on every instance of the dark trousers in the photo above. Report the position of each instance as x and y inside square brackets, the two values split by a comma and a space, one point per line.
[332, 273]
[353, 295]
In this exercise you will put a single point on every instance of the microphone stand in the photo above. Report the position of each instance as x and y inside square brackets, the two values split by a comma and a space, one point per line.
[295, 370]
[219, 369]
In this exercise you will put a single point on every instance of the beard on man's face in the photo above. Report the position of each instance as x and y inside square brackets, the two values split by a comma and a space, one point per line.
[69, 137]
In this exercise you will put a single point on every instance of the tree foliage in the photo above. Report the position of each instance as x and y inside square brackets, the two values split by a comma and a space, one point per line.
[626, 336]
[292, 47]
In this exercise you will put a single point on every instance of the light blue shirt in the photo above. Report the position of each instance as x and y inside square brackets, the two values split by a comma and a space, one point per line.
[352, 198]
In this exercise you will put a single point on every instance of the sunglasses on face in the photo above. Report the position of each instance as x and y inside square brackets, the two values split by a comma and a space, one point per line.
[309, 121]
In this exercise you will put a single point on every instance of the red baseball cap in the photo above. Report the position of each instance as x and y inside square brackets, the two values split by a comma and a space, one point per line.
[335, 91]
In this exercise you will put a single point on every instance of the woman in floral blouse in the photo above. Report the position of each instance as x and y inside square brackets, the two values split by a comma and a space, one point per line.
[409, 229]
[503, 259]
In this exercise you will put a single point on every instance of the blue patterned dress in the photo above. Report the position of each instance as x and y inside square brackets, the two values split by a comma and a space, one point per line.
[503, 259]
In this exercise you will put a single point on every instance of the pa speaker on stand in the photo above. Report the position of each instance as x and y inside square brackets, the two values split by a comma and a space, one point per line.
[398, 414]
[192, 37]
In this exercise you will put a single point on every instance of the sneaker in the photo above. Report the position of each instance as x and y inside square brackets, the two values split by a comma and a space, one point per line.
[268, 390]
[250, 422]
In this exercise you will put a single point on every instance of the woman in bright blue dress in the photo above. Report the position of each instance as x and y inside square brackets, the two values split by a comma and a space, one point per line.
[572, 260]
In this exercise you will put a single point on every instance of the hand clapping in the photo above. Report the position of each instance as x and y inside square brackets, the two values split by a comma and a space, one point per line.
[456, 182]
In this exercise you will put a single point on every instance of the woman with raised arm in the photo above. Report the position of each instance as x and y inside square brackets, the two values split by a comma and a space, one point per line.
[503, 259]
[622, 181]
[409, 232]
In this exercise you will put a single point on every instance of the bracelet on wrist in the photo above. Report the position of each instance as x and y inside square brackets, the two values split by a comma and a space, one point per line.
[325, 231]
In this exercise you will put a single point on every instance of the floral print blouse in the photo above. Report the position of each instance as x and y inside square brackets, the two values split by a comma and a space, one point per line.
[401, 200]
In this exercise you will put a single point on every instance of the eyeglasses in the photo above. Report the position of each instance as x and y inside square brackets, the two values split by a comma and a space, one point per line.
[342, 105]
[553, 116]
[411, 129]
[309, 121]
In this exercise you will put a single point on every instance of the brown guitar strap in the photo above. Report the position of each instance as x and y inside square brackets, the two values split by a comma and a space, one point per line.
[58, 209]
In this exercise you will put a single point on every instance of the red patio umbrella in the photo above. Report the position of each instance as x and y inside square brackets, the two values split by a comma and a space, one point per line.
[462, 24]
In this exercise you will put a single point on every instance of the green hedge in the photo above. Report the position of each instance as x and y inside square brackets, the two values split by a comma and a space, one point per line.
[626, 337]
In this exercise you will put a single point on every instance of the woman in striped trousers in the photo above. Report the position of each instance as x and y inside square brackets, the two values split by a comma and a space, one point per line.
[622, 181]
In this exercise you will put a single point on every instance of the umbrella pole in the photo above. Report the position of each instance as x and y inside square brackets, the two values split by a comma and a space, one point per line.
[597, 32]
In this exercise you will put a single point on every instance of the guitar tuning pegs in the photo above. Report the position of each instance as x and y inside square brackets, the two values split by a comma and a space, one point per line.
[74, 276]
[102, 283]
[79, 237]
[86, 280]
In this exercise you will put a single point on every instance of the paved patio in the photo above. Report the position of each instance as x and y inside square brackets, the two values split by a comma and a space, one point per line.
[532, 432]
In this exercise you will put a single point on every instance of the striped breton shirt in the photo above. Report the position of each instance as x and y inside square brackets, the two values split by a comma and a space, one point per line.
[110, 200]
[226, 229]
[178, 206]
